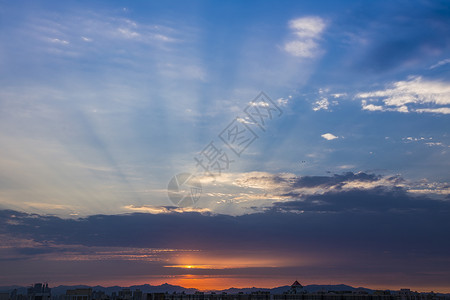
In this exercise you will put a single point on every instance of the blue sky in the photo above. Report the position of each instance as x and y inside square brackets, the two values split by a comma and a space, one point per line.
[102, 103]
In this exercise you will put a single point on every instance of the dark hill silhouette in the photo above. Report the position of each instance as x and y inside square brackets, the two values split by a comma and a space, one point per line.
[163, 288]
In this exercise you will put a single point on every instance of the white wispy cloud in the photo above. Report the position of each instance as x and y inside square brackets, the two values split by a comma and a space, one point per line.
[59, 41]
[440, 110]
[284, 101]
[105, 31]
[306, 31]
[413, 95]
[343, 167]
[245, 120]
[429, 141]
[329, 136]
[440, 63]
[339, 95]
[127, 33]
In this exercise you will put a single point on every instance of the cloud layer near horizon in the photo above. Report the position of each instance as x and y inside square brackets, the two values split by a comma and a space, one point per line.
[383, 228]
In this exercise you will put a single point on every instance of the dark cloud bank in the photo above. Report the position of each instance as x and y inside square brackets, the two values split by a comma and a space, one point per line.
[378, 215]
[377, 230]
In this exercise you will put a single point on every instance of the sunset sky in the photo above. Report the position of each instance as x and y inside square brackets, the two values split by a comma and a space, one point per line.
[340, 173]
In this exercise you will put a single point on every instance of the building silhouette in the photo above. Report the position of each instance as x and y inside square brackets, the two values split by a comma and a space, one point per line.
[79, 294]
[296, 288]
[39, 291]
[296, 291]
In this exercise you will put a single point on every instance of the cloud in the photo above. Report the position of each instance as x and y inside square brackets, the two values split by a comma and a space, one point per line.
[307, 27]
[337, 181]
[58, 41]
[336, 216]
[264, 180]
[104, 33]
[413, 95]
[326, 99]
[283, 101]
[379, 200]
[251, 192]
[329, 136]
[440, 110]
[192, 230]
[440, 63]
[86, 39]
[429, 141]
[308, 232]
[321, 104]
[301, 48]
[306, 31]
[339, 95]
[285, 186]
[371, 107]
[127, 33]
[164, 209]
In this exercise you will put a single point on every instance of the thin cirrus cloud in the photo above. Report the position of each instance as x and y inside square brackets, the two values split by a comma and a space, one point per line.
[440, 63]
[306, 31]
[111, 39]
[100, 28]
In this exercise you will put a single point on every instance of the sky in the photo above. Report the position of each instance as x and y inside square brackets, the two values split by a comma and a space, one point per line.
[217, 144]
